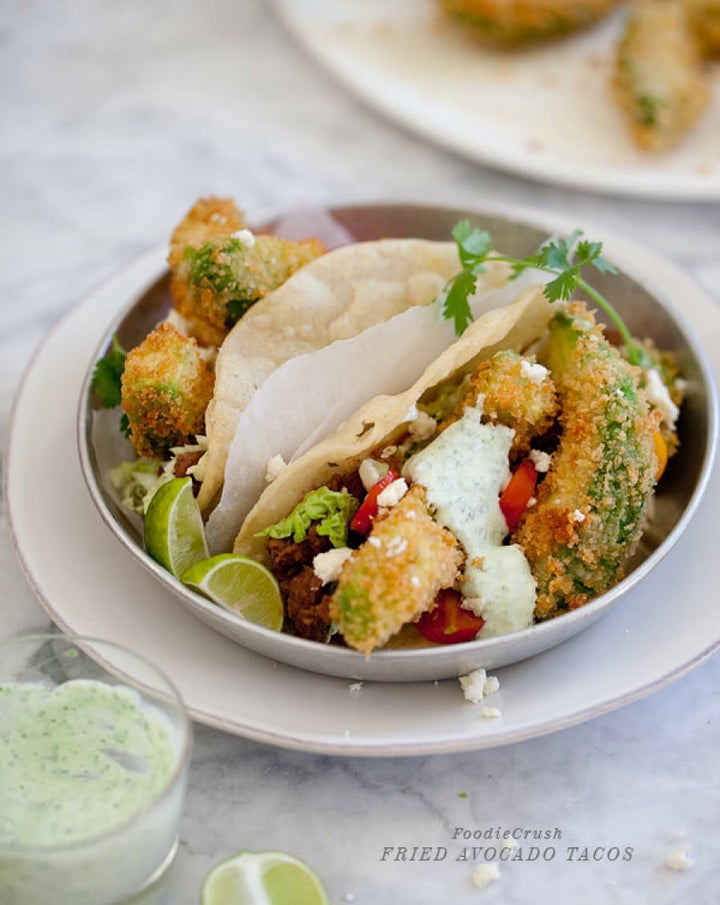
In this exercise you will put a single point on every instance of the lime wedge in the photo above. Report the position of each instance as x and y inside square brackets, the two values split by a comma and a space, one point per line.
[173, 527]
[240, 584]
[263, 878]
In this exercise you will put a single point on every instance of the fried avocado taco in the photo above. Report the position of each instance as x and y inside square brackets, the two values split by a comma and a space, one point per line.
[506, 486]
[242, 305]
[332, 298]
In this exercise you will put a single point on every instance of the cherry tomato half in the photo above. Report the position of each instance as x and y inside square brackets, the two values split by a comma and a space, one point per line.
[518, 493]
[449, 622]
[362, 520]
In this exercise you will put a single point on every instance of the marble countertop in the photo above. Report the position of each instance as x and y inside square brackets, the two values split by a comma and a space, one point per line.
[116, 117]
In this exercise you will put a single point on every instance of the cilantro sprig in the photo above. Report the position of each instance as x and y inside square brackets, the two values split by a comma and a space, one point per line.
[107, 380]
[564, 258]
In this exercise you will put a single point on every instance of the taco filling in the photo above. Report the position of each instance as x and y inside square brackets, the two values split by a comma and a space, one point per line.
[406, 479]
[510, 493]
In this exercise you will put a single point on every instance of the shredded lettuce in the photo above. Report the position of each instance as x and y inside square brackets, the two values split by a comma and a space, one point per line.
[330, 509]
[136, 482]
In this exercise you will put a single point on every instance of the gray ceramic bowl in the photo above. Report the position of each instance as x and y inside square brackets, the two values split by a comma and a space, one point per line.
[647, 313]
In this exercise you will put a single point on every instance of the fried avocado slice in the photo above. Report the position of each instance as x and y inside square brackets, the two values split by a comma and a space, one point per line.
[166, 387]
[658, 80]
[590, 507]
[517, 393]
[215, 284]
[515, 22]
[395, 575]
[208, 218]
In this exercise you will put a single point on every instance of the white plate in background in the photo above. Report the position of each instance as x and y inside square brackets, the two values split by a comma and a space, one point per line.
[545, 112]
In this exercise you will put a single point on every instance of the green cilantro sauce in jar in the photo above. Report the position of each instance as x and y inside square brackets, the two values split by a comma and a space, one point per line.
[91, 789]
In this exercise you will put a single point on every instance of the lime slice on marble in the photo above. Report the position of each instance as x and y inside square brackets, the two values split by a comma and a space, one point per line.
[263, 878]
[173, 527]
[239, 584]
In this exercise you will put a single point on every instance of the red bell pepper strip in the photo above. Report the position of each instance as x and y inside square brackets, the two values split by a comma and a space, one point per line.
[449, 622]
[518, 493]
[362, 520]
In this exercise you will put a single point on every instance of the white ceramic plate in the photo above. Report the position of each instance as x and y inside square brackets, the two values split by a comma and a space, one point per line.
[91, 585]
[544, 113]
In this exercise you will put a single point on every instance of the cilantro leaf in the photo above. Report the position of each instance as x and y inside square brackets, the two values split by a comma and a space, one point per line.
[562, 287]
[106, 379]
[473, 244]
[454, 300]
[562, 258]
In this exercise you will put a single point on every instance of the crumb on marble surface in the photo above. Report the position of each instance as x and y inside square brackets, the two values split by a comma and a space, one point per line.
[678, 859]
[484, 875]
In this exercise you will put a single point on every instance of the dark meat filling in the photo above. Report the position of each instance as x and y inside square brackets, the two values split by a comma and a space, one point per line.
[306, 605]
[306, 601]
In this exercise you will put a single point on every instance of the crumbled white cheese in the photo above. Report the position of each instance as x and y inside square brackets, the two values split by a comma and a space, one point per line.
[541, 460]
[371, 471]
[532, 502]
[245, 237]
[485, 874]
[327, 566]
[392, 494]
[478, 685]
[535, 373]
[274, 468]
[355, 690]
[388, 451]
[473, 685]
[491, 713]
[678, 859]
[474, 604]
[659, 397]
[423, 427]
[578, 516]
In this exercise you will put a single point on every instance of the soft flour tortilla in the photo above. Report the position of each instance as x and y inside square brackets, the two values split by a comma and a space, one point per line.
[333, 297]
[515, 326]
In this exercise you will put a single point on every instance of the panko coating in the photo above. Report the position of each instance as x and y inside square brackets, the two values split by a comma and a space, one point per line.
[591, 506]
[395, 575]
[215, 284]
[659, 79]
[207, 219]
[516, 22]
[517, 393]
[166, 386]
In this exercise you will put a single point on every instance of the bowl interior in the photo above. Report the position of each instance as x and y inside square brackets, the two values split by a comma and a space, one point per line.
[101, 447]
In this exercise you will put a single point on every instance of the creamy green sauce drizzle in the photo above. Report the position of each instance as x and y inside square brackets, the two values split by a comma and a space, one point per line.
[463, 472]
